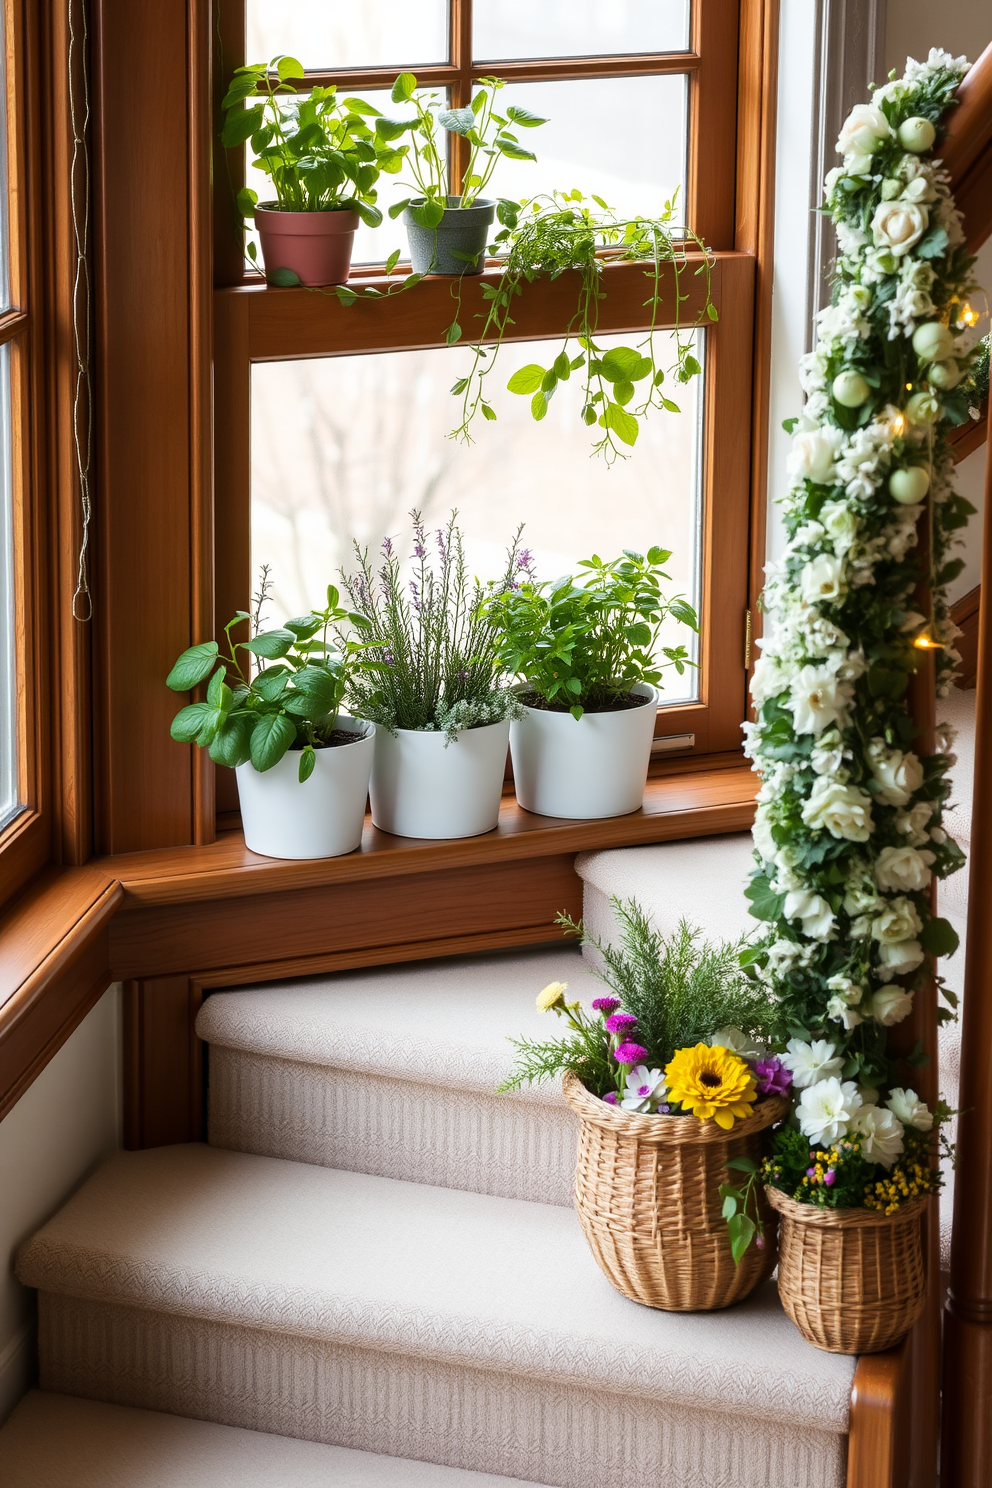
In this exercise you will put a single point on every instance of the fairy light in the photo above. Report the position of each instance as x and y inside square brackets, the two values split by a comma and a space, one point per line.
[968, 316]
[926, 640]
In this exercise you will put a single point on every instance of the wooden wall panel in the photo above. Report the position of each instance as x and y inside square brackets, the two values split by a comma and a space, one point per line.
[199, 937]
[142, 331]
[163, 1063]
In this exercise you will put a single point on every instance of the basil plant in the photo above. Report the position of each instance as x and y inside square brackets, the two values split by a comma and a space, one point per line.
[291, 703]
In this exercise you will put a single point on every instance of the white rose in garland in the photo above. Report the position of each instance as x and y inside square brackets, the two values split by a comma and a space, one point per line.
[848, 833]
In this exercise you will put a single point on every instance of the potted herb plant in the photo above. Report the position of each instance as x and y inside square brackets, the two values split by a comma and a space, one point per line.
[588, 652]
[323, 159]
[429, 675]
[676, 1093]
[303, 768]
[448, 233]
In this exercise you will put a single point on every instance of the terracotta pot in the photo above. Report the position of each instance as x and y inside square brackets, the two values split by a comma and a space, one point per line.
[316, 246]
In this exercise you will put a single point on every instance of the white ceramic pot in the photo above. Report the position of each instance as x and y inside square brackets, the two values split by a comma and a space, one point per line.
[582, 768]
[424, 787]
[323, 817]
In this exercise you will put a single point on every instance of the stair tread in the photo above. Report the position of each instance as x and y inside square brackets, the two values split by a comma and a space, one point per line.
[436, 1273]
[439, 1022]
[702, 880]
[58, 1441]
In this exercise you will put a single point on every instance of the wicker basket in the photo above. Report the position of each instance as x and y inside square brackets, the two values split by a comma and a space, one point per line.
[647, 1193]
[851, 1280]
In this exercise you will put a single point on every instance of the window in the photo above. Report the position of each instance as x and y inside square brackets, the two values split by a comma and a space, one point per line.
[331, 422]
[23, 832]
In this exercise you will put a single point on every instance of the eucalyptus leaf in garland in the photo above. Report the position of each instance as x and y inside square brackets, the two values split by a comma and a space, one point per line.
[848, 833]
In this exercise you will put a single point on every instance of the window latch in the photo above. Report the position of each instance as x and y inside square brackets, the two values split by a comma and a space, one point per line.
[748, 637]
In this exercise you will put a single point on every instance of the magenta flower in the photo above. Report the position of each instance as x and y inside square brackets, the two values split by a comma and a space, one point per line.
[605, 1004]
[620, 1023]
[610, 1098]
[830, 1177]
[629, 1054]
[773, 1077]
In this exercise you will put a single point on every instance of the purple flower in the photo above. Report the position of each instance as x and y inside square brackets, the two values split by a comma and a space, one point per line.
[388, 656]
[387, 547]
[664, 1110]
[773, 1077]
[620, 1023]
[610, 1098]
[419, 551]
[441, 547]
[630, 1054]
[830, 1177]
[759, 1240]
[605, 1004]
[810, 1172]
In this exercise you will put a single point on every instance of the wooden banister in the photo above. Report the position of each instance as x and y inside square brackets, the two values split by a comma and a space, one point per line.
[969, 132]
[967, 1406]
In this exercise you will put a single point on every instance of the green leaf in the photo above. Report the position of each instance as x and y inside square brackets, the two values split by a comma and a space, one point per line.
[308, 760]
[231, 744]
[427, 213]
[742, 1232]
[729, 1207]
[219, 695]
[527, 380]
[589, 414]
[538, 406]
[624, 364]
[765, 905]
[712, 312]
[404, 87]
[240, 125]
[369, 214]
[742, 1164]
[196, 663]
[523, 117]
[272, 644]
[488, 412]
[271, 737]
[623, 392]
[939, 938]
[189, 721]
[622, 423]
[390, 129]
[271, 688]
[247, 200]
[457, 121]
[288, 67]
[319, 686]
[790, 425]
[512, 150]
[453, 333]
[283, 279]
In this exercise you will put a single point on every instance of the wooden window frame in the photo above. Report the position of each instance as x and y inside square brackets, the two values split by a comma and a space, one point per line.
[25, 840]
[255, 324]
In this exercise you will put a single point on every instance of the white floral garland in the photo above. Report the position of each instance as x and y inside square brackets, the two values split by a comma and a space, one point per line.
[848, 830]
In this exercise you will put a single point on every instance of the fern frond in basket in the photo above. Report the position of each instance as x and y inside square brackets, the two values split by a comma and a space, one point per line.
[682, 989]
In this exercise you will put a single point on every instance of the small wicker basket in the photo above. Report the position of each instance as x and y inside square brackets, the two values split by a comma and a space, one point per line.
[851, 1280]
[647, 1194]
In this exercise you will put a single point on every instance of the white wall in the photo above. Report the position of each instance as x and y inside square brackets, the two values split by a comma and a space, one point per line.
[962, 27]
[59, 1130]
[912, 27]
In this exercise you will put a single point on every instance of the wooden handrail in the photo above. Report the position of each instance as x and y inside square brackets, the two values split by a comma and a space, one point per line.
[969, 131]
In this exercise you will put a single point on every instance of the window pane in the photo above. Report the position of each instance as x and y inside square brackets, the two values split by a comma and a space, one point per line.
[8, 692]
[326, 33]
[622, 138]
[578, 28]
[343, 448]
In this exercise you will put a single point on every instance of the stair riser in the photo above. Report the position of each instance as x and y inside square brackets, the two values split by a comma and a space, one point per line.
[563, 1436]
[514, 1149]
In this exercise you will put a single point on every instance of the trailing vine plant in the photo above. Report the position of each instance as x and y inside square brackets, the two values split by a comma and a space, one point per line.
[848, 834]
[543, 239]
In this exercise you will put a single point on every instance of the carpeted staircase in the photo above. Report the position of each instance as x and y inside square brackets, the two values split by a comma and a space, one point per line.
[375, 1260]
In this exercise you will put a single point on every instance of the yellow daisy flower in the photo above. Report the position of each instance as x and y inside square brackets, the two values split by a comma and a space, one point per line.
[553, 996]
[714, 1084]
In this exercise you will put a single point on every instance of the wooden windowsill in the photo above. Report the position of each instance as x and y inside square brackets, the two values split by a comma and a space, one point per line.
[695, 802]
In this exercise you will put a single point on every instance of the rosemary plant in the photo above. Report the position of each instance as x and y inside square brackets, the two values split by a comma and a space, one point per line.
[429, 654]
[542, 239]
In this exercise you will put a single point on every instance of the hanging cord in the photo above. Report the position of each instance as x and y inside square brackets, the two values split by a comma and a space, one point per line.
[79, 188]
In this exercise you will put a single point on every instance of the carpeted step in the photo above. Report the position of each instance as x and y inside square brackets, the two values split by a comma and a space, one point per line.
[702, 881]
[56, 1441]
[393, 1071]
[424, 1322]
